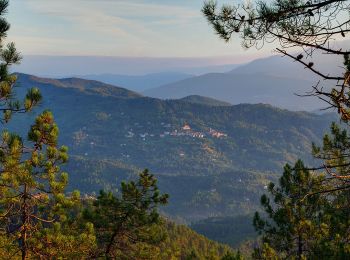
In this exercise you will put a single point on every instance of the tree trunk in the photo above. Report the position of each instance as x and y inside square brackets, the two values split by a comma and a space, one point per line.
[300, 246]
[25, 223]
[110, 244]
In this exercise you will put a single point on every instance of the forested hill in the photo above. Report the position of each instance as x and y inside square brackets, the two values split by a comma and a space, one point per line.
[196, 99]
[83, 85]
[213, 160]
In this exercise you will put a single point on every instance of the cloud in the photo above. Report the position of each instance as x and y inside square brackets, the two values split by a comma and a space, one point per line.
[159, 28]
[137, 13]
[124, 22]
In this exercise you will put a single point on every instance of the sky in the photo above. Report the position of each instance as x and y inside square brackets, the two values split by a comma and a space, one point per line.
[170, 32]
[136, 28]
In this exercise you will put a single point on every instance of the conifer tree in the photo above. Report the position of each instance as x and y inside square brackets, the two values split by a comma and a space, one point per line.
[295, 222]
[32, 185]
[232, 256]
[336, 163]
[127, 223]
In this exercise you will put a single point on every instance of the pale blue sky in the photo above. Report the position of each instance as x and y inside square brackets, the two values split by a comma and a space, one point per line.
[137, 28]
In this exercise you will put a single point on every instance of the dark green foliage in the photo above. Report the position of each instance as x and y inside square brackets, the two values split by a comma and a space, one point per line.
[306, 216]
[33, 205]
[232, 256]
[121, 223]
[269, 136]
[334, 148]
[183, 243]
[233, 231]
[217, 177]
[334, 152]
[141, 233]
[347, 62]
[296, 221]
[195, 99]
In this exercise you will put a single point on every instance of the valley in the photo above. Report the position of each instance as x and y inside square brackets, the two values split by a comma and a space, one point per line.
[130, 131]
[213, 160]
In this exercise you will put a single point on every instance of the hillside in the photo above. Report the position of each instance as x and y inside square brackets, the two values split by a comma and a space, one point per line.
[214, 161]
[196, 99]
[233, 231]
[184, 243]
[90, 87]
[237, 88]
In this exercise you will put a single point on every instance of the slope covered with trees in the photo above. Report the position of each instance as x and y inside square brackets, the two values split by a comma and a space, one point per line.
[306, 214]
[39, 219]
[196, 99]
[234, 231]
[113, 133]
[214, 160]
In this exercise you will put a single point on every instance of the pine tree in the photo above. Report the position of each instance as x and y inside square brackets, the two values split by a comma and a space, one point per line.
[334, 154]
[296, 222]
[232, 256]
[127, 224]
[34, 211]
[32, 199]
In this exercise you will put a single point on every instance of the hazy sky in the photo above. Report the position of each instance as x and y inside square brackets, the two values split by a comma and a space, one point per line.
[137, 28]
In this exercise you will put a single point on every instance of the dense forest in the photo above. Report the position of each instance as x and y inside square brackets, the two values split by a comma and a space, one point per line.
[115, 133]
[92, 198]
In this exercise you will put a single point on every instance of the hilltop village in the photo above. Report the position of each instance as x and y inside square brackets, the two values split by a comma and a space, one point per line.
[185, 130]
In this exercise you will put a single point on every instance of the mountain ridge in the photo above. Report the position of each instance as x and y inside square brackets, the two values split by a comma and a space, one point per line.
[139, 83]
[213, 160]
[242, 88]
[84, 85]
[197, 99]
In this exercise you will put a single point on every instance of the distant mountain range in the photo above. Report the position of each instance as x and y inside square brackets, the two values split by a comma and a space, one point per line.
[140, 83]
[214, 159]
[67, 66]
[243, 88]
[273, 80]
[285, 67]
